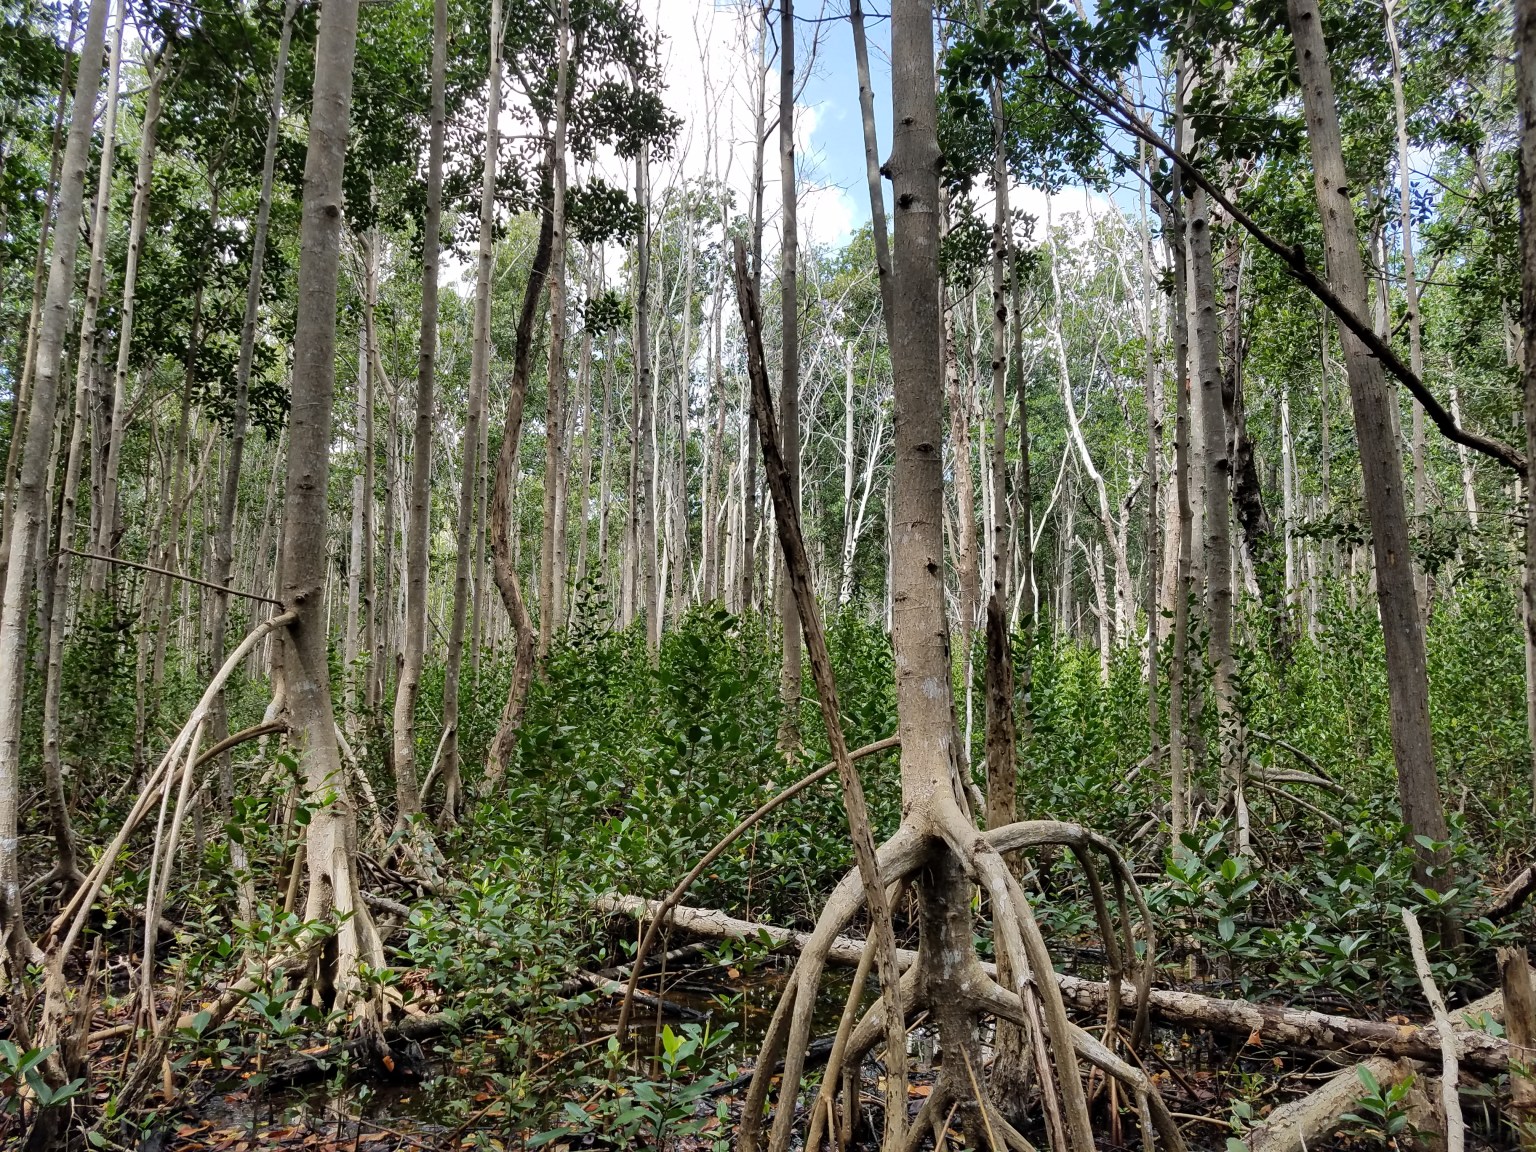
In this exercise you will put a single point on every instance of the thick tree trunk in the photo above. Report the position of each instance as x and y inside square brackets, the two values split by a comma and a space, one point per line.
[1380, 459]
[418, 523]
[479, 378]
[1218, 545]
[30, 506]
[334, 897]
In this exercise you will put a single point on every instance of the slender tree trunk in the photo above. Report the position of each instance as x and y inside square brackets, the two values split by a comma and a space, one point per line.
[789, 383]
[1380, 459]
[551, 569]
[479, 378]
[30, 507]
[1525, 72]
[65, 868]
[748, 563]
[40, 269]
[371, 697]
[503, 560]
[645, 441]
[418, 525]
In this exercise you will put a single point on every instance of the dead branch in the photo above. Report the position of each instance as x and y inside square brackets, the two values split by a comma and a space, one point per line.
[675, 896]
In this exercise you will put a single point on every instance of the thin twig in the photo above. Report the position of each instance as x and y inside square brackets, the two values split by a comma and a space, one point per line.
[167, 572]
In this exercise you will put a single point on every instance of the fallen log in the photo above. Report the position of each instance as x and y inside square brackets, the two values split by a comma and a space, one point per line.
[1299, 1125]
[1263, 1023]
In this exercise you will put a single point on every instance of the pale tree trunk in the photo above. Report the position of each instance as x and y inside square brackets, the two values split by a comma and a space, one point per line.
[1174, 228]
[370, 380]
[551, 567]
[1525, 72]
[1154, 410]
[418, 523]
[222, 566]
[1218, 544]
[334, 897]
[1410, 278]
[30, 507]
[1380, 458]
[65, 867]
[680, 559]
[789, 383]
[40, 268]
[108, 516]
[479, 378]
[584, 501]
[748, 562]
[643, 518]
[1464, 458]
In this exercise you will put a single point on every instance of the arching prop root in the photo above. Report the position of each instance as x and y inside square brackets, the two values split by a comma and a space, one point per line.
[947, 980]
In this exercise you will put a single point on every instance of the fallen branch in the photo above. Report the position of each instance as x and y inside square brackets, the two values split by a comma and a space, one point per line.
[1450, 1075]
[1271, 1023]
[1513, 896]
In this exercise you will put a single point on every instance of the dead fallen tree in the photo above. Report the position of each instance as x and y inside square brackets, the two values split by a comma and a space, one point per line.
[1269, 1023]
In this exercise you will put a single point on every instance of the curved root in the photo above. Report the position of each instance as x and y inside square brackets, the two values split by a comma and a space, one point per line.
[948, 978]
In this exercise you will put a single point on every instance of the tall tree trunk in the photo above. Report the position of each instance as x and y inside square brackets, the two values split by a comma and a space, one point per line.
[370, 376]
[1380, 459]
[22, 400]
[503, 562]
[789, 382]
[644, 514]
[878, 227]
[479, 378]
[334, 897]
[222, 567]
[65, 867]
[30, 507]
[1525, 72]
[1218, 545]
[748, 562]
[109, 516]
[551, 566]
[1410, 277]
[418, 523]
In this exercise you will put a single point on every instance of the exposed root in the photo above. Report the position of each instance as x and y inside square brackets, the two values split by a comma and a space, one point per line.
[948, 978]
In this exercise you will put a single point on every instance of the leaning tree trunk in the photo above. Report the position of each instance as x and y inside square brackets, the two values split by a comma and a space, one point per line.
[31, 497]
[418, 525]
[503, 564]
[1380, 459]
